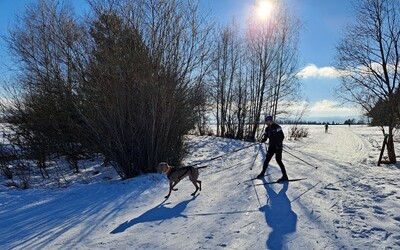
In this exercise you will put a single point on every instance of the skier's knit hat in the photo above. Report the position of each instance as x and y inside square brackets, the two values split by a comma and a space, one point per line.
[268, 118]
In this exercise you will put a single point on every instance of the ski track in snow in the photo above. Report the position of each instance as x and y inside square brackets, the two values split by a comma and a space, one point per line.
[364, 198]
[346, 203]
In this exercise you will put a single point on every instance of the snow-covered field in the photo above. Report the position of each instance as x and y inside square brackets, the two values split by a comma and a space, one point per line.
[347, 202]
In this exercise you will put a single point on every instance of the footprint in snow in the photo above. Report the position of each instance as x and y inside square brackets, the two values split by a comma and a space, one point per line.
[378, 210]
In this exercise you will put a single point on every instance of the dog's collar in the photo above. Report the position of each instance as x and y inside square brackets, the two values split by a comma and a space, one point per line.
[168, 169]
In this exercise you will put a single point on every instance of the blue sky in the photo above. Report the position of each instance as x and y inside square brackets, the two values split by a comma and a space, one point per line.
[323, 22]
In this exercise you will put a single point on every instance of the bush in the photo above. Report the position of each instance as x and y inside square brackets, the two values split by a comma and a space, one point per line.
[296, 132]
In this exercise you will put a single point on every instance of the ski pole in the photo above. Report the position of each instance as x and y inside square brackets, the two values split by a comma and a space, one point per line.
[258, 150]
[300, 159]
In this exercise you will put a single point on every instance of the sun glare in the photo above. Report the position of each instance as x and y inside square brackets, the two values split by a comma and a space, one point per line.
[264, 9]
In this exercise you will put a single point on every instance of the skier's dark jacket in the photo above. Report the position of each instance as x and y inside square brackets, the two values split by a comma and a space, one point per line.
[275, 135]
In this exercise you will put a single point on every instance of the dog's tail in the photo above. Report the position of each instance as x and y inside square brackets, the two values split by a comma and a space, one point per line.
[202, 167]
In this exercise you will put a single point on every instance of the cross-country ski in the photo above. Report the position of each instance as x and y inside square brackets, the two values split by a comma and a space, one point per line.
[280, 181]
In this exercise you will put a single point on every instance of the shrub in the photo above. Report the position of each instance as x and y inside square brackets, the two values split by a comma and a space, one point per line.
[296, 132]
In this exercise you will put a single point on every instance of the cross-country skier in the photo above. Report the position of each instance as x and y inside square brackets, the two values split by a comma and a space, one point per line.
[275, 134]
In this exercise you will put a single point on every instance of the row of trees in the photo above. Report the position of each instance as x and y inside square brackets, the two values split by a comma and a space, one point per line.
[130, 79]
[253, 73]
[347, 122]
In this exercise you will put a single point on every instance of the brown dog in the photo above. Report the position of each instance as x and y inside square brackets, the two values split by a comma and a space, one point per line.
[176, 174]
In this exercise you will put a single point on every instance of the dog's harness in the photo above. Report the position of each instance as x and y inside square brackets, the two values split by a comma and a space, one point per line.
[170, 170]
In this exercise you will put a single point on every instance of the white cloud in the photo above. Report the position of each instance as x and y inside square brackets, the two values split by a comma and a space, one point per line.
[374, 67]
[312, 70]
[323, 108]
[326, 108]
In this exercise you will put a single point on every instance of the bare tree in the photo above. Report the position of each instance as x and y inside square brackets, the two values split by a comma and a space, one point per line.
[286, 85]
[262, 47]
[369, 57]
[272, 46]
[226, 80]
[42, 114]
[254, 74]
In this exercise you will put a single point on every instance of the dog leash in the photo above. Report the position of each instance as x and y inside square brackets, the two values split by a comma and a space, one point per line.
[217, 157]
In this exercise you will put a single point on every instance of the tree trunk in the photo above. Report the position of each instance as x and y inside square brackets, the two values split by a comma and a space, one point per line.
[390, 147]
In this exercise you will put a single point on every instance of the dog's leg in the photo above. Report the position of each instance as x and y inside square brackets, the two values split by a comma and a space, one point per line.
[172, 184]
[170, 189]
[197, 187]
[175, 189]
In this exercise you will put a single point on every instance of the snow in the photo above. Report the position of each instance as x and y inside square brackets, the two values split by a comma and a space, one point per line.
[347, 202]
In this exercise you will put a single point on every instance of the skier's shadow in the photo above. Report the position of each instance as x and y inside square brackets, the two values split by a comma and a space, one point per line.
[279, 216]
[158, 213]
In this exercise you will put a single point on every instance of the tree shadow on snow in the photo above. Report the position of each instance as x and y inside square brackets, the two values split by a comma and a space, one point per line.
[158, 213]
[279, 216]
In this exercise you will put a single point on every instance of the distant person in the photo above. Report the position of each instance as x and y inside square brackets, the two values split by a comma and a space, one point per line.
[275, 135]
[326, 128]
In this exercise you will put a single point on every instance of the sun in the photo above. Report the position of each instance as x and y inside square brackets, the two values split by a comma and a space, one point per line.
[264, 9]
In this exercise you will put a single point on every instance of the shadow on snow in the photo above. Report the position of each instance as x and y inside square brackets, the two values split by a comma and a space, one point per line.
[158, 213]
[279, 216]
[38, 223]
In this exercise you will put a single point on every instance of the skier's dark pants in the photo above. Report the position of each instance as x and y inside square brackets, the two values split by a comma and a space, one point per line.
[278, 158]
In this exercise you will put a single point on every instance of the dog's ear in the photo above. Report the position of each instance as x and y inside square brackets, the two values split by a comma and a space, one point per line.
[164, 164]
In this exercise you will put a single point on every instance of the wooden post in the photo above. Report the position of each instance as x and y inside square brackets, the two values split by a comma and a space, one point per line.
[383, 149]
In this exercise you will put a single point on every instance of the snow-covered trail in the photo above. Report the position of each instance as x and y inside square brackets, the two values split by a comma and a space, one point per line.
[346, 203]
[354, 203]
